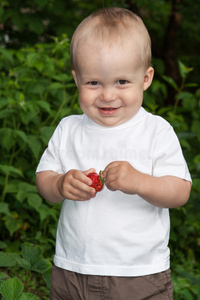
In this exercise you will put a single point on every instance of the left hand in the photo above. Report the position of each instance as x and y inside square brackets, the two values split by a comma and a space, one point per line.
[122, 176]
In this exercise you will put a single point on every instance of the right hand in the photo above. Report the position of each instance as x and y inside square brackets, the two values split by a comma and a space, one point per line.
[75, 185]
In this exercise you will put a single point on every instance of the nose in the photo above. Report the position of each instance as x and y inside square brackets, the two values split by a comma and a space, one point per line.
[108, 94]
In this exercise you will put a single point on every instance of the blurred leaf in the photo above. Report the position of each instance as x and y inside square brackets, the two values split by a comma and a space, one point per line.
[4, 209]
[47, 277]
[44, 105]
[34, 145]
[10, 170]
[46, 132]
[41, 265]
[28, 296]
[31, 253]
[23, 263]
[183, 69]
[6, 260]
[188, 99]
[3, 277]
[11, 288]
[56, 85]
[13, 223]
[34, 200]
[170, 81]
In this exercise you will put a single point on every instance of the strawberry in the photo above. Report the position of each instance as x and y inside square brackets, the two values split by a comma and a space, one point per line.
[97, 181]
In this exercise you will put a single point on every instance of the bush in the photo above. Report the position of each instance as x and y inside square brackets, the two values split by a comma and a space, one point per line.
[37, 90]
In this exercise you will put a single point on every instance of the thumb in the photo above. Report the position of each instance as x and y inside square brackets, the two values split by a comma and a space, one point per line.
[89, 171]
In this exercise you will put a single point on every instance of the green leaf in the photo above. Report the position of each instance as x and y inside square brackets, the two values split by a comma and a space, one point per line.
[32, 59]
[188, 99]
[5, 113]
[34, 200]
[28, 296]
[45, 105]
[2, 245]
[23, 263]
[4, 209]
[41, 3]
[46, 132]
[183, 69]
[6, 260]
[41, 265]
[13, 224]
[44, 212]
[56, 85]
[5, 54]
[62, 77]
[11, 288]
[34, 145]
[21, 134]
[170, 81]
[35, 25]
[24, 189]
[31, 253]
[195, 128]
[3, 276]
[47, 277]
[7, 138]
[10, 170]
[21, 195]
[31, 188]
[12, 187]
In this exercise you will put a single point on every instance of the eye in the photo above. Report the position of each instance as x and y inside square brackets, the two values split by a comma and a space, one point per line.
[93, 83]
[122, 81]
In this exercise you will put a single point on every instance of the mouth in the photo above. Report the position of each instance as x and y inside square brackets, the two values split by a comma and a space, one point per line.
[108, 111]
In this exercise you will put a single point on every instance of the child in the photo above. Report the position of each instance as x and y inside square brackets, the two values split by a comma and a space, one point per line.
[113, 244]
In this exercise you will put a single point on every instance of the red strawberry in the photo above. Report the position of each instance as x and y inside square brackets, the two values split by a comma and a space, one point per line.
[97, 181]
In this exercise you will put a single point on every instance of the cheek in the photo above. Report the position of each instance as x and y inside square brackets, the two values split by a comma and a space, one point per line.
[133, 99]
[87, 97]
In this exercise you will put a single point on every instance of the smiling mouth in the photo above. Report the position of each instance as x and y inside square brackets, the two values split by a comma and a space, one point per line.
[108, 108]
[108, 111]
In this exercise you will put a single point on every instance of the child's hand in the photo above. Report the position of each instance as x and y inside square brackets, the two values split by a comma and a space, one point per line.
[75, 185]
[165, 191]
[120, 175]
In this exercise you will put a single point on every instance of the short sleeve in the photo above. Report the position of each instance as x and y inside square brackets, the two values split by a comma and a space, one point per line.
[168, 156]
[50, 159]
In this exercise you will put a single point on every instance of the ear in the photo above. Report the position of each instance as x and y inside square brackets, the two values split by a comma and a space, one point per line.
[148, 78]
[75, 77]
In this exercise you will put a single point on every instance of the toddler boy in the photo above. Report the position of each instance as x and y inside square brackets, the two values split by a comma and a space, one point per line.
[113, 244]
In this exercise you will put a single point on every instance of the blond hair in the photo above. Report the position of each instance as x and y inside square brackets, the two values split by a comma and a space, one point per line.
[109, 24]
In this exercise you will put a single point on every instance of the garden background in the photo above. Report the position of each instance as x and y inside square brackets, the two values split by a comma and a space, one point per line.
[37, 90]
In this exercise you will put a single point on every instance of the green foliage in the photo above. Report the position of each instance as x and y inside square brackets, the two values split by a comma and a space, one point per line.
[184, 116]
[31, 260]
[36, 91]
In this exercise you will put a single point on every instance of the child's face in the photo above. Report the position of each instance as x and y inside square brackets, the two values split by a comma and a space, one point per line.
[111, 82]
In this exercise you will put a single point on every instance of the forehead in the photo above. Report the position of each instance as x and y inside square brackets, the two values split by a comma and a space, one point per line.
[108, 58]
[130, 45]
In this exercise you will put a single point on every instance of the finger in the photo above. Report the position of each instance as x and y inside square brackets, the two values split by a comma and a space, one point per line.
[87, 180]
[109, 167]
[84, 185]
[89, 171]
[82, 177]
[76, 195]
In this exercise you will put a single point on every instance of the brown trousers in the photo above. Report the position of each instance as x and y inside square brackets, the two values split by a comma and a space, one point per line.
[66, 285]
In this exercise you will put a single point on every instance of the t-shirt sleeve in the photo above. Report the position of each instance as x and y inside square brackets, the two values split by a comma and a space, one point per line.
[168, 156]
[50, 159]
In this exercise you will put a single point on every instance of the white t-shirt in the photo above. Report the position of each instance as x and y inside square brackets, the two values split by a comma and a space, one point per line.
[114, 234]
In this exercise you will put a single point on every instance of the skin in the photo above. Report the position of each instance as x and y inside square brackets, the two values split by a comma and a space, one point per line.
[111, 82]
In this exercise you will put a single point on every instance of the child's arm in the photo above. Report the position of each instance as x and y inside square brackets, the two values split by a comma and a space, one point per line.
[73, 185]
[165, 191]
